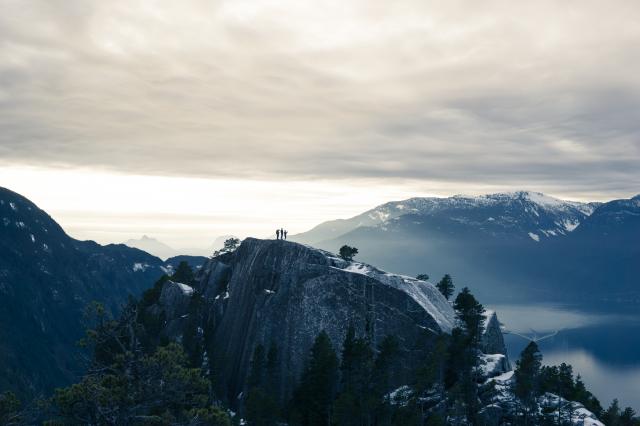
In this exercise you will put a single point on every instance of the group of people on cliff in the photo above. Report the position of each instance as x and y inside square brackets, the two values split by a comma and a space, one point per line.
[281, 234]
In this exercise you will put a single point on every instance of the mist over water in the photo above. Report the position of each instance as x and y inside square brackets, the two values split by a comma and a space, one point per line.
[604, 348]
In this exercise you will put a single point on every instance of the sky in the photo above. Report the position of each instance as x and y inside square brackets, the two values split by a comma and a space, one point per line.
[192, 119]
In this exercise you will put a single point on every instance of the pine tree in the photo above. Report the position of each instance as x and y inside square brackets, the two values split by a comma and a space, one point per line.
[466, 345]
[422, 277]
[627, 418]
[385, 365]
[313, 399]
[354, 403]
[348, 355]
[611, 416]
[470, 313]
[527, 375]
[446, 287]
[183, 273]
[261, 407]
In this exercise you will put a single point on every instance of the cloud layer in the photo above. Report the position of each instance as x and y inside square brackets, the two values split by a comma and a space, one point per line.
[542, 95]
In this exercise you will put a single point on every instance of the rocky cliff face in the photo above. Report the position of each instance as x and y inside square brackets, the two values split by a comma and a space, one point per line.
[283, 293]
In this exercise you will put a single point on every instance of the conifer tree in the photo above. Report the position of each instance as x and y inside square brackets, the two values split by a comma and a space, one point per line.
[465, 353]
[611, 416]
[261, 406]
[470, 313]
[313, 399]
[527, 375]
[183, 273]
[446, 287]
[355, 402]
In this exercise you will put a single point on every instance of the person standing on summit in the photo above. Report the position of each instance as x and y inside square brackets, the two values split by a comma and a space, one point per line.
[277, 234]
[282, 233]
[285, 234]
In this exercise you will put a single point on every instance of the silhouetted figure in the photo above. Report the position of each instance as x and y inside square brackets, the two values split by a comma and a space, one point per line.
[282, 233]
[277, 234]
[285, 234]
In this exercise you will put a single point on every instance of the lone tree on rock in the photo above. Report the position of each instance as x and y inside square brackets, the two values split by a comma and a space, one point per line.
[230, 244]
[445, 285]
[347, 253]
[422, 277]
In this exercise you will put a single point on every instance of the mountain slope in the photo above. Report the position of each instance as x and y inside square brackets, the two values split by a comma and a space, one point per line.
[507, 247]
[602, 256]
[46, 280]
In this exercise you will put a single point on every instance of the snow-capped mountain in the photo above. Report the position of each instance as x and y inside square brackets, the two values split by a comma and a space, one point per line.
[532, 214]
[520, 244]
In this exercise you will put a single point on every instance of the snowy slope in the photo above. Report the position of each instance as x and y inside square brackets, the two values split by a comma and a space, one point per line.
[424, 293]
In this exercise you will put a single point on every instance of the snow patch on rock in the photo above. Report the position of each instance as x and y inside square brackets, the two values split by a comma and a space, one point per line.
[185, 288]
[140, 267]
[424, 293]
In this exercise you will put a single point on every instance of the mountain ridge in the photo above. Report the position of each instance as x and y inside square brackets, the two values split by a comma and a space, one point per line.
[47, 278]
[506, 245]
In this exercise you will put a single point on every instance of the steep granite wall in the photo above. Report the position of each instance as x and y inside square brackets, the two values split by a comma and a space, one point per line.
[280, 292]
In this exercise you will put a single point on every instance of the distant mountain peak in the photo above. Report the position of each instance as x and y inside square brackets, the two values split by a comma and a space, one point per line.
[527, 213]
[522, 195]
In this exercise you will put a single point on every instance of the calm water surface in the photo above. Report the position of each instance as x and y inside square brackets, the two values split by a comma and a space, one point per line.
[603, 347]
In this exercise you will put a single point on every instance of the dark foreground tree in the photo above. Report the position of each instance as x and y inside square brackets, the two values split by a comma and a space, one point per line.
[261, 407]
[355, 403]
[9, 409]
[130, 383]
[527, 376]
[348, 253]
[313, 399]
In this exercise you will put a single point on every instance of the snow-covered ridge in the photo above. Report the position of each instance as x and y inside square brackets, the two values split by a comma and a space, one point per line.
[537, 215]
[423, 292]
[429, 204]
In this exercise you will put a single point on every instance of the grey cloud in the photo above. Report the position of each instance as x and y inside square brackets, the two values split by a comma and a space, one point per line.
[519, 95]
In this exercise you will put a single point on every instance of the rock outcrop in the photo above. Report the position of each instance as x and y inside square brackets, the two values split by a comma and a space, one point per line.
[283, 293]
[492, 338]
[494, 360]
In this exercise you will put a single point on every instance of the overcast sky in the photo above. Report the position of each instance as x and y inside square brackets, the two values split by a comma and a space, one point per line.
[253, 114]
